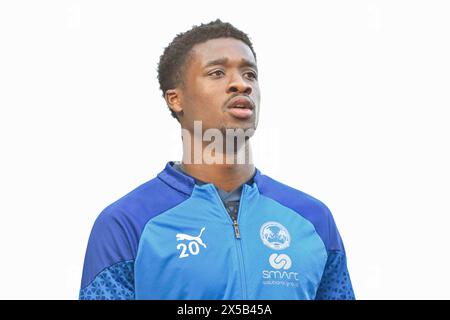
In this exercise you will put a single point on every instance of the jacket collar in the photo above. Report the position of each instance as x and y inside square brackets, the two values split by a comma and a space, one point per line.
[184, 183]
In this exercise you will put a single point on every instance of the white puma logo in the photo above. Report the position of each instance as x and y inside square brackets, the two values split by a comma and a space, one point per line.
[183, 236]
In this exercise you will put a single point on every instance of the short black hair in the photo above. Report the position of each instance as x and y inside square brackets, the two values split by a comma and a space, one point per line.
[172, 61]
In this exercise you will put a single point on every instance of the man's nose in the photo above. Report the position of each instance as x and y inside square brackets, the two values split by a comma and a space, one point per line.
[239, 84]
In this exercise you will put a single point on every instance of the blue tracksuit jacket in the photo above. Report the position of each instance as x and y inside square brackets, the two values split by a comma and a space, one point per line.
[172, 239]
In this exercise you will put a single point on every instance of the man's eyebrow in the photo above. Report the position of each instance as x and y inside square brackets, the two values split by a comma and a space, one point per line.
[224, 61]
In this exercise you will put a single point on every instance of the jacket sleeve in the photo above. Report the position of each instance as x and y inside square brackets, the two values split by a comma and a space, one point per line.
[108, 271]
[335, 283]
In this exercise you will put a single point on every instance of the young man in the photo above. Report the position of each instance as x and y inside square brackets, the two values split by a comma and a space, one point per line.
[213, 226]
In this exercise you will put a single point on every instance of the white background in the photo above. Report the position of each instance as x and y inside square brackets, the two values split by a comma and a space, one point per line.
[354, 111]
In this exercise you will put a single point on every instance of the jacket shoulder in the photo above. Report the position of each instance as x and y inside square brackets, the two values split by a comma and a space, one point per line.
[117, 229]
[309, 207]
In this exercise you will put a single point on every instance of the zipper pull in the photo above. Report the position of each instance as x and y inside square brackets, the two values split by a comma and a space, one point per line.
[236, 229]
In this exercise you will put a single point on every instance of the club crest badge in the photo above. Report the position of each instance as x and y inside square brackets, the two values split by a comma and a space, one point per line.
[275, 236]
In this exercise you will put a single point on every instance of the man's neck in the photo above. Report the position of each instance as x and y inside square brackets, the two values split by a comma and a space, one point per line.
[226, 176]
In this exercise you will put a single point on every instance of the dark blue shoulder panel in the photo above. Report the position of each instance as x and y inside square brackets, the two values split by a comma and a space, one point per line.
[310, 208]
[116, 232]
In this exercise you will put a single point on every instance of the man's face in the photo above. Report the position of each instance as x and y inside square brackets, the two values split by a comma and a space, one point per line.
[220, 73]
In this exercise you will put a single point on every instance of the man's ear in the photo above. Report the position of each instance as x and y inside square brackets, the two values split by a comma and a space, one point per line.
[173, 100]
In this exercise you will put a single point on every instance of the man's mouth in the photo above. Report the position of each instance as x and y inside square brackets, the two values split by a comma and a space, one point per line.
[240, 107]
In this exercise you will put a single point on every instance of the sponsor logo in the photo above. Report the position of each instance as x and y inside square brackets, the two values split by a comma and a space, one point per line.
[279, 277]
[193, 246]
[274, 235]
[280, 261]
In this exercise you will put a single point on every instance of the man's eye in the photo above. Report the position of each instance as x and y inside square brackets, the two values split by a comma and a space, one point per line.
[252, 75]
[216, 73]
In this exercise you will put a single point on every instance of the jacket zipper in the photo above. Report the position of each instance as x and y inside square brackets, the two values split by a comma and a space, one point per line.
[238, 240]
[236, 228]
